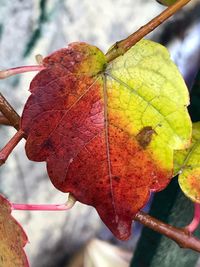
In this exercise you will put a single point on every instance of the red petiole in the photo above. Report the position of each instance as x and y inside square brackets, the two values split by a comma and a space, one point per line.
[46, 207]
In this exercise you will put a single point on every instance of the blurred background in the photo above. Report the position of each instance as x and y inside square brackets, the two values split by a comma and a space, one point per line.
[76, 238]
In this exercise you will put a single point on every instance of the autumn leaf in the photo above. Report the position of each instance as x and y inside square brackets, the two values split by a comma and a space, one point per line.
[108, 130]
[187, 163]
[13, 238]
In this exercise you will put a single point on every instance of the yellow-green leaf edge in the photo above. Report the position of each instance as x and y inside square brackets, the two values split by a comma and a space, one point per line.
[187, 163]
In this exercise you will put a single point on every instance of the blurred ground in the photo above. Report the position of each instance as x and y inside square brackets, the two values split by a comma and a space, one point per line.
[35, 27]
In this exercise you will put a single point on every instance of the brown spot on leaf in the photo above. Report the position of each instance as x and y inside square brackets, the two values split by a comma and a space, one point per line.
[144, 137]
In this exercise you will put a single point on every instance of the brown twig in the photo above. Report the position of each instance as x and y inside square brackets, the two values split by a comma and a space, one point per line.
[181, 236]
[124, 45]
[10, 117]
[8, 148]
[4, 121]
[8, 111]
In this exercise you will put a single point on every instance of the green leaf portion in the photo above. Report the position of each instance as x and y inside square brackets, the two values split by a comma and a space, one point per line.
[149, 92]
[187, 163]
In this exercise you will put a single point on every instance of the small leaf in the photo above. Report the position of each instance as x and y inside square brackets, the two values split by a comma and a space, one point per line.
[187, 163]
[108, 131]
[12, 238]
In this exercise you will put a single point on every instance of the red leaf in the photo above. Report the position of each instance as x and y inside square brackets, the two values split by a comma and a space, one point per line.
[13, 238]
[67, 125]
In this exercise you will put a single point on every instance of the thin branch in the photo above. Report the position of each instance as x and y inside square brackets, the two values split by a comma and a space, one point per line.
[4, 121]
[8, 148]
[124, 45]
[181, 236]
[8, 111]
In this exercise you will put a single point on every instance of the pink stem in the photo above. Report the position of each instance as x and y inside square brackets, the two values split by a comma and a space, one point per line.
[13, 71]
[40, 207]
[50, 207]
[196, 219]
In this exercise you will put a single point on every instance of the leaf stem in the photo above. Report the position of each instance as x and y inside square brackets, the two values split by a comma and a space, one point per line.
[46, 207]
[13, 71]
[181, 236]
[8, 111]
[196, 219]
[8, 148]
[40, 207]
[124, 45]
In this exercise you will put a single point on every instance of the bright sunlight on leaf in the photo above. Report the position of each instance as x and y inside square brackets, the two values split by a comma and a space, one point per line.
[12, 238]
[108, 131]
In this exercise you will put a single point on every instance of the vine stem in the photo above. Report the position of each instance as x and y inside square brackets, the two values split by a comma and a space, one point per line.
[181, 236]
[4, 121]
[9, 113]
[8, 148]
[40, 207]
[13, 71]
[196, 220]
[10, 117]
[46, 207]
[124, 45]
